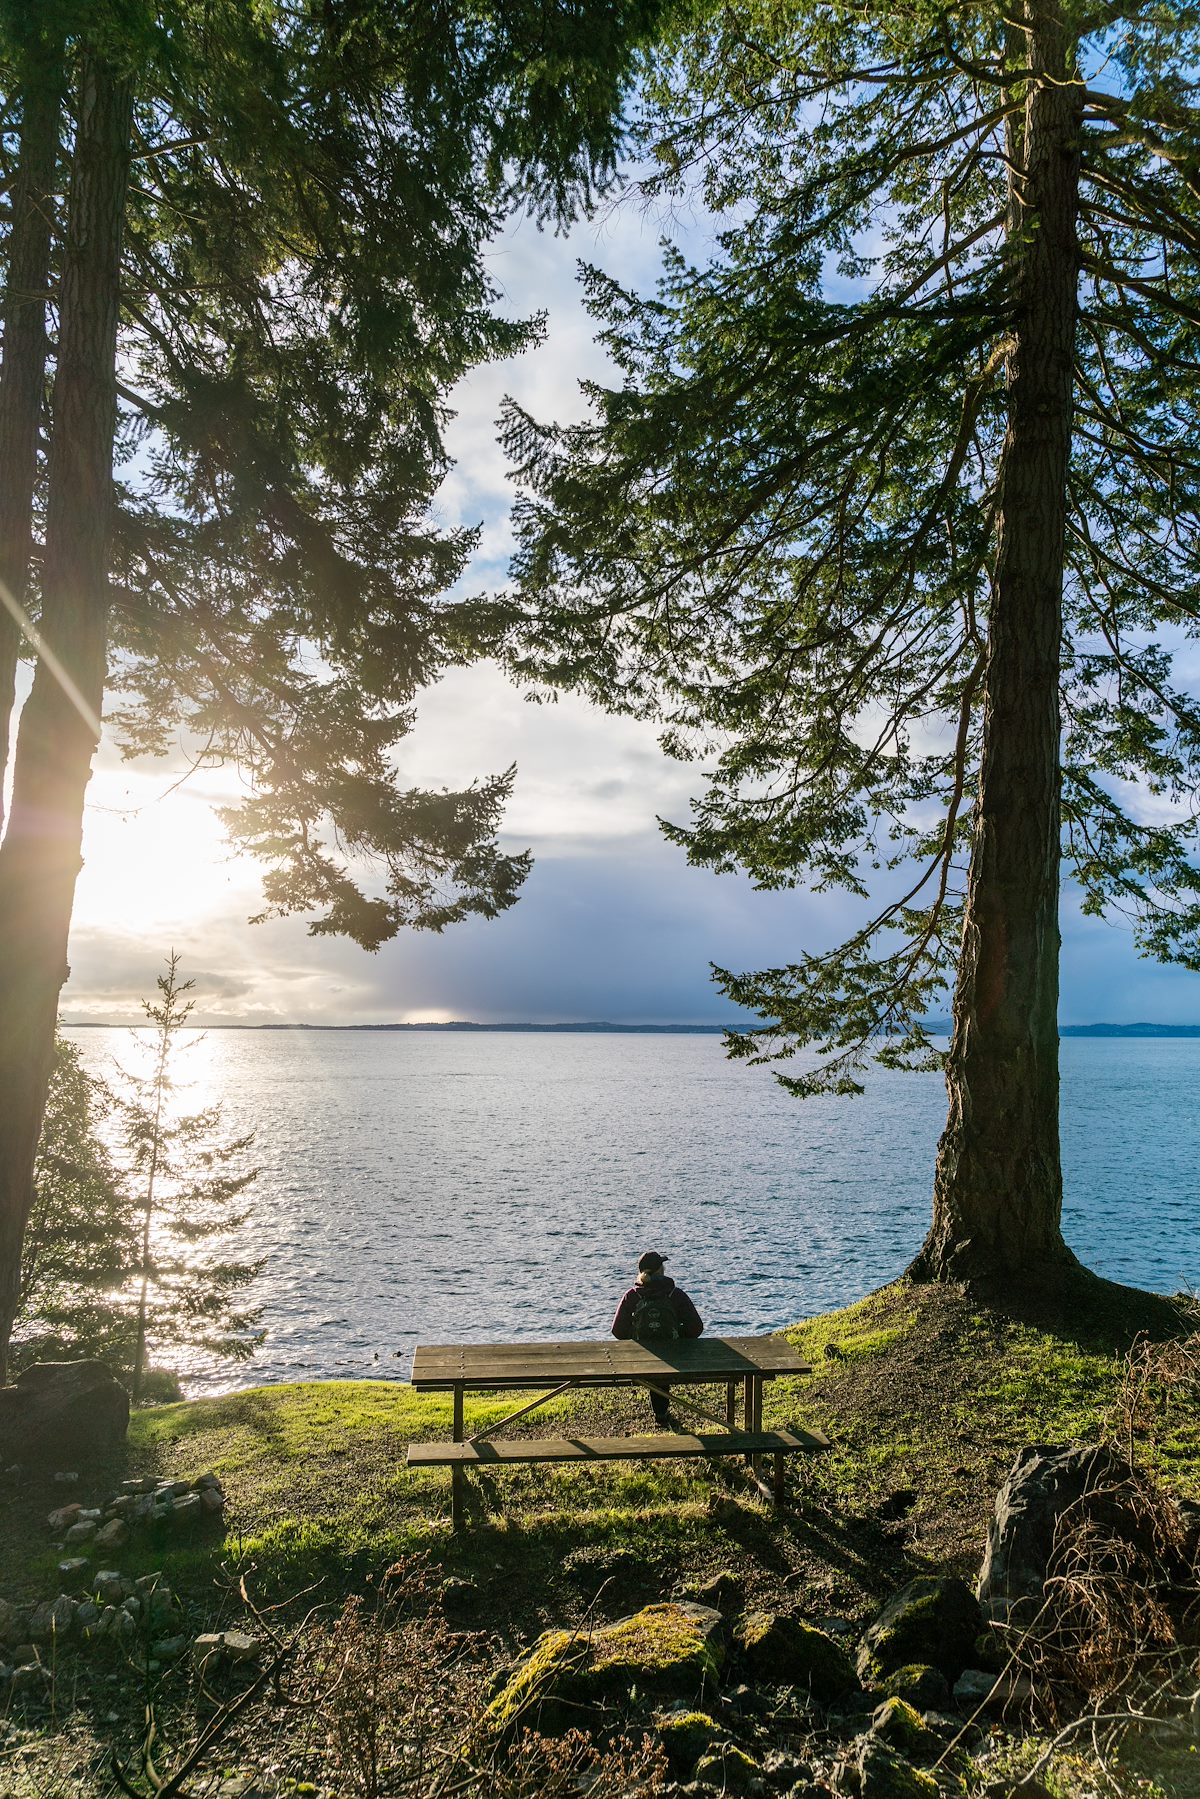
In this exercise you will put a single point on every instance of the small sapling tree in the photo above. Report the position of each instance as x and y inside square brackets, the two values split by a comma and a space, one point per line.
[188, 1180]
[81, 1247]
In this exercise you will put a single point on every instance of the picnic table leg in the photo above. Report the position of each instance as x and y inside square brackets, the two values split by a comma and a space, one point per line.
[756, 1382]
[731, 1404]
[748, 1395]
[777, 1483]
[457, 1471]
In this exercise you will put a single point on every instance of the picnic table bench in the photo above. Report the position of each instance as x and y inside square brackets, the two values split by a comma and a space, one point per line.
[741, 1364]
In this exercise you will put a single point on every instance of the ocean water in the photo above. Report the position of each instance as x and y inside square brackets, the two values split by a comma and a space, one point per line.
[456, 1186]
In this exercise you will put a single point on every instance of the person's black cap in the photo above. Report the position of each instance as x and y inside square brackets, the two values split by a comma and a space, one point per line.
[651, 1260]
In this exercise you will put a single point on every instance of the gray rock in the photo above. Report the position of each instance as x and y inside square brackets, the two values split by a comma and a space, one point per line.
[212, 1500]
[146, 1483]
[783, 1649]
[172, 1489]
[109, 1587]
[63, 1413]
[240, 1647]
[208, 1480]
[997, 1692]
[88, 1614]
[169, 1649]
[207, 1647]
[53, 1618]
[14, 1622]
[73, 1572]
[63, 1517]
[113, 1535]
[188, 1509]
[32, 1679]
[1043, 1483]
[81, 1532]
[132, 1607]
[66, 1478]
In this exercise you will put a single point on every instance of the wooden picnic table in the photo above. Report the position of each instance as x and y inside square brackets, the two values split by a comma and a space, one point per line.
[741, 1364]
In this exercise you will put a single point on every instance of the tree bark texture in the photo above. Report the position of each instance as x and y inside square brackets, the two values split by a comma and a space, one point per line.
[40, 855]
[23, 373]
[997, 1206]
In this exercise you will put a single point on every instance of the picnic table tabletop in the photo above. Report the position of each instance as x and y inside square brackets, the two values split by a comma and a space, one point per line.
[439, 1367]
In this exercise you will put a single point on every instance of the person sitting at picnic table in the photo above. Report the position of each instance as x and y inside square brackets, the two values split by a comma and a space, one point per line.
[655, 1310]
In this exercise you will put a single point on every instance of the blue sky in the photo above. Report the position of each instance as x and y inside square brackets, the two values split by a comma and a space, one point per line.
[612, 923]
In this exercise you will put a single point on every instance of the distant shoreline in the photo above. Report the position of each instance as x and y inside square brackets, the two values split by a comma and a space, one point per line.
[601, 1028]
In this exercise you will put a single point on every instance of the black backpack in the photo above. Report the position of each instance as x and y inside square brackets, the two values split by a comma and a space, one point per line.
[654, 1319]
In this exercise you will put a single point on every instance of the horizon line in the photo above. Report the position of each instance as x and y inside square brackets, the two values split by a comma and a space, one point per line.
[939, 1026]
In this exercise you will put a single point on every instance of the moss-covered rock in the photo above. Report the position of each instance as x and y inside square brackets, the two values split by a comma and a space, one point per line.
[686, 1736]
[729, 1769]
[669, 1651]
[776, 1647]
[900, 1727]
[924, 1687]
[879, 1773]
[934, 1619]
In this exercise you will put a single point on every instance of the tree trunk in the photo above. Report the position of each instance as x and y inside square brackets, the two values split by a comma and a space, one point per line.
[59, 730]
[997, 1206]
[23, 376]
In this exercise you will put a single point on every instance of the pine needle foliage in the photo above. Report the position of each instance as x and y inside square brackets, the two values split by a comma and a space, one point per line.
[81, 1245]
[187, 1181]
[776, 533]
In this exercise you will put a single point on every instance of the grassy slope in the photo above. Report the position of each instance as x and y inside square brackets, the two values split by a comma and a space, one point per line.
[919, 1388]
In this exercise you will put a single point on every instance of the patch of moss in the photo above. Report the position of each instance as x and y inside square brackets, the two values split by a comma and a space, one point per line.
[686, 1736]
[900, 1726]
[664, 1651]
[729, 1769]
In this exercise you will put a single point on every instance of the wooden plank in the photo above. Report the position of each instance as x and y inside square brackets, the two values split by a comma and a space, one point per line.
[487, 1365]
[615, 1449]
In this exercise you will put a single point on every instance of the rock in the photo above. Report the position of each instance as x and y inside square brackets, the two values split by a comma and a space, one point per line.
[207, 1647]
[169, 1649]
[212, 1500]
[113, 1535]
[63, 1413]
[125, 1506]
[32, 1679]
[724, 1591]
[934, 1619]
[777, 1647]
[109, 1587]
[188, 1509]
[673, 1650]
[132, 1607]
[172, 1489]
[882, 1774]
[14, 1622]
[730, 1770]
[146, 1483]
[1005, 1693]
[207, 1480]
[21, 1654]
[53, 1618]
[63, 1517]
[782, 1767]
[73, 1571]
[66, 1478]
[925, 1688]
[903, 1729]
[686, 1736]
[146, 1584]
[82, 1531]
[1043, 1482]
[87, 1615]
[240, 1647]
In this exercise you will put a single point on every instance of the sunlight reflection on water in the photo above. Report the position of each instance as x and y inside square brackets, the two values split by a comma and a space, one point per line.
[442, 1186]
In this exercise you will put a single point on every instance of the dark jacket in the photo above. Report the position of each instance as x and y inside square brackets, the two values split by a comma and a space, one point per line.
[659, 1286]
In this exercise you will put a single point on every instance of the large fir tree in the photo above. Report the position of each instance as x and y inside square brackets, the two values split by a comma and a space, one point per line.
[267, 272]
[894, 514]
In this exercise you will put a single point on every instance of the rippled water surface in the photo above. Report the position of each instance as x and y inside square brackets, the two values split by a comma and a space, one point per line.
[440, 1186]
